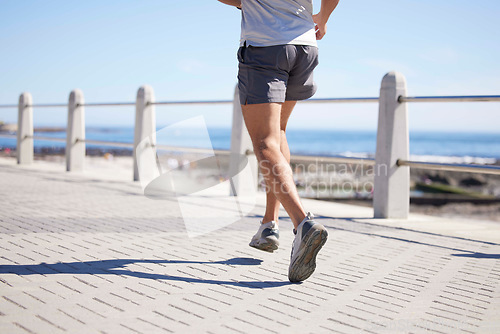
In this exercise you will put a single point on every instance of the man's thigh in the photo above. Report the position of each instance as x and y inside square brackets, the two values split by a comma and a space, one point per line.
[263, 122]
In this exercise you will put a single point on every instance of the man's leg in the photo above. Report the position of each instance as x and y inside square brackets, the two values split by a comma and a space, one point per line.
[272, 203]
[263, 122]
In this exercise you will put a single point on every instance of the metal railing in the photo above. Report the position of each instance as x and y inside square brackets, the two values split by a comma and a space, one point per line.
[471, 168]
[366, 161]
[391, 191]
[457, 98]
[334, 160]
[205, 102]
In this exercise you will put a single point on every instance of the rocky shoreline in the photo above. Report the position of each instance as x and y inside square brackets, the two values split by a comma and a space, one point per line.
[439, 193]
[41, 152]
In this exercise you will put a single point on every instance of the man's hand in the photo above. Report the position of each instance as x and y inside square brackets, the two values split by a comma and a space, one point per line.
[320, 26]
[327, 7]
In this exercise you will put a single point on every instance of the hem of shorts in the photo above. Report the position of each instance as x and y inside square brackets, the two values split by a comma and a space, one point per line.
[299, 98]
[261, 101]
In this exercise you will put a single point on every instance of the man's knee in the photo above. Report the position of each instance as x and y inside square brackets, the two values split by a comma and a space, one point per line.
[266, 149]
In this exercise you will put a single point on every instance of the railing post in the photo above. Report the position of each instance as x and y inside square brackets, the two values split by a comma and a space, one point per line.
[25, 130]
[145, 121]
[391, 197]
[243, 184]
[75, 132]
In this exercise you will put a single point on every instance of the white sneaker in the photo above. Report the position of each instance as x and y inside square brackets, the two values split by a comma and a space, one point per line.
[266, 238]
[309, 238]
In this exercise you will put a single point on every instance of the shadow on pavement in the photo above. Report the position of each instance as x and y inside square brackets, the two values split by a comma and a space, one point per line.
[479, 255]
[114, 267]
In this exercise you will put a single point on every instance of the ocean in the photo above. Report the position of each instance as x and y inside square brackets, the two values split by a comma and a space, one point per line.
[429, 146]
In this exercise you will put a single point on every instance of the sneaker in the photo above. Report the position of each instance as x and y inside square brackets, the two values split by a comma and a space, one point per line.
[266, 238]
[309, 238]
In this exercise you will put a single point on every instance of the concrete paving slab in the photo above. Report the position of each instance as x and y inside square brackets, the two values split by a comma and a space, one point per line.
[87, 252]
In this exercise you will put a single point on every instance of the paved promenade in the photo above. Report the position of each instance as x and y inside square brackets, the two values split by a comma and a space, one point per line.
[88, 253]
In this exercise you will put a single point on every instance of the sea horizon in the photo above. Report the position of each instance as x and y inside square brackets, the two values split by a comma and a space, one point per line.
[445, 146]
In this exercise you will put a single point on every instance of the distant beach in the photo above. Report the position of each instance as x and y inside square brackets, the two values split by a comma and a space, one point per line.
[480, 148]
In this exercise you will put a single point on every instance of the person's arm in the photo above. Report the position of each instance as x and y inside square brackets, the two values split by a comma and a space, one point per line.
[327, 7]
[235, 3]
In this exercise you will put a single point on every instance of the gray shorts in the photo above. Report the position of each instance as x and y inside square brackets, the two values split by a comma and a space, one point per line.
[276, 73]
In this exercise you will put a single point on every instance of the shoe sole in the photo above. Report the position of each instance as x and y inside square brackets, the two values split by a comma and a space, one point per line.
[305, 263]
[267, 244]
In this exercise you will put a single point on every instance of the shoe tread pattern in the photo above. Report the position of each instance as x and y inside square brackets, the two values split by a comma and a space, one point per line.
[305, 263]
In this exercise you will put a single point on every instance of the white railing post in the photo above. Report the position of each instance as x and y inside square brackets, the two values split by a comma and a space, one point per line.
[25, 129]
[145, 121]
[75, 132]
[243, 184]
[391, 197]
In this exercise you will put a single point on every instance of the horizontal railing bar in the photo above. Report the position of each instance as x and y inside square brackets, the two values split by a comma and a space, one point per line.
[363, 161]
[464, 98]
[52, 105]
[309, 158]
[317, 100]
[342, 100]
[106, 143]
[48, 138]
[451, 167]
[457, 98]
[111, 104]
[164, 147]
[7, 136]
[106, 104]
[190, 102]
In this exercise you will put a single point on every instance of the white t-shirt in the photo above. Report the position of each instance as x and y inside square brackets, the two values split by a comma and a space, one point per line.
[277, 22]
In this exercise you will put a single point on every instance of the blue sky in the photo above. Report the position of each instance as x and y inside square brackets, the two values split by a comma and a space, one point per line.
[186, 50]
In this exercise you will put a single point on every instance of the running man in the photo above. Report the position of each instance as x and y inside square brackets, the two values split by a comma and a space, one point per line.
[277, 55]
